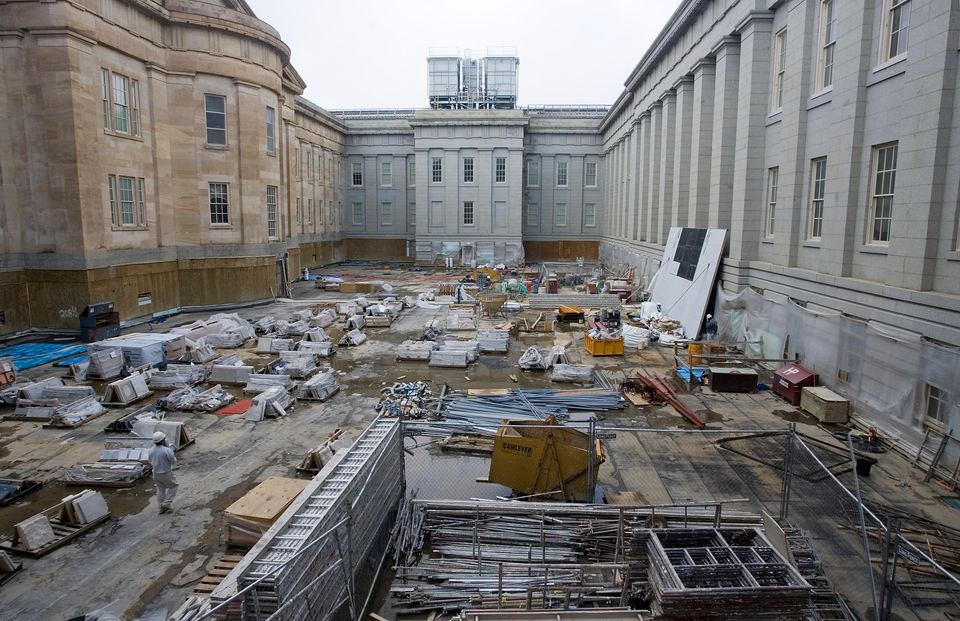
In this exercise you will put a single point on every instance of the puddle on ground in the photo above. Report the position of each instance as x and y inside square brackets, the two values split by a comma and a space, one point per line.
[795, 416]
[122, 502]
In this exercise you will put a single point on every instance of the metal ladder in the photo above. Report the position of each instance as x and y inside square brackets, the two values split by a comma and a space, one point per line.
[312, 513]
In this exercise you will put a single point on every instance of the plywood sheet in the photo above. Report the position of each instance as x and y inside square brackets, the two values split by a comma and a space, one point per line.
[268, 500]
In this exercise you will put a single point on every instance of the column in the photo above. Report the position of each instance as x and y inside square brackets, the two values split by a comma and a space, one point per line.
[701, 139]
[724, 138]
[681, 158]
[653, 171]
[749, 173]
[668, 132]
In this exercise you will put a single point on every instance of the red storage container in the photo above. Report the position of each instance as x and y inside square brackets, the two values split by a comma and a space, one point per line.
[789, 380]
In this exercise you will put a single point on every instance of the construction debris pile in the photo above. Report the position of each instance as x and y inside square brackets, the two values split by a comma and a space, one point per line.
[452, 555]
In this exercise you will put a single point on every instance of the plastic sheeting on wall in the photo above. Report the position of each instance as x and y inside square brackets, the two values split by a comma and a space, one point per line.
[883, 370]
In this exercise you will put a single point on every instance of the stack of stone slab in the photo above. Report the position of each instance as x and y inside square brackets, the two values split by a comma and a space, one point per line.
[296, 364]
[320, 387]
[461, 319]
[322, 349]
[324, 318]
[274, 402]
[315, 335]
[453, 353]
[230, 370]
[258, 383]
[127, 390]
[353, 338]
[177, 376]
[494, 341]
[415, 350]
[191, 399]
[265, 325]
[267, 345]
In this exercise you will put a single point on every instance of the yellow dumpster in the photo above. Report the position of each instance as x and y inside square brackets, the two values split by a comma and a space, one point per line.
[548, 463]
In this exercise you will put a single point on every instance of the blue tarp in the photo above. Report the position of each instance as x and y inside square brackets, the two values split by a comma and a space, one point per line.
[30, 355]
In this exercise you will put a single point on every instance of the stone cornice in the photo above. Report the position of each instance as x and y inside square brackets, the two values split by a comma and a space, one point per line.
[753, 19]
[725, 45]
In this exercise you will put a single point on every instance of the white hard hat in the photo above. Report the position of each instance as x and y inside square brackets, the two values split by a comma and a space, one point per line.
[158, 437]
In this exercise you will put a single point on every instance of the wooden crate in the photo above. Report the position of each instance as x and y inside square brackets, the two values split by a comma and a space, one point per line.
[824, 404]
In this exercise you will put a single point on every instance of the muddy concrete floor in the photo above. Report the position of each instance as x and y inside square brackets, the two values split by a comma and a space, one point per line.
[143, 565]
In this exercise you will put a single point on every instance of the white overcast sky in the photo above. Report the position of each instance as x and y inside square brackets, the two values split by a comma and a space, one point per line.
[372, 53]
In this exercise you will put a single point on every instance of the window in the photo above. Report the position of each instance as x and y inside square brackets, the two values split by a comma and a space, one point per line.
[105, 94]
[533, 173]
[297, 214]
[818, 186]
[561, 174]
[296, 162]
[272, 212]
[320, 212]
[386, 174]
[589, 215]
[590, 175]
[468, 170]
[411, 172]
[828, 44]
[219, 203]
[356, 172]
[357, 214]
[779, 67]
[436, 169]
[309, 211]
[533, 214]
[215, 107]
[937, 406]
[127, 196]
[412, 215]
[468, 213]
[885, 179]
[271, 133]
[896, 25]
[500, 170]
[560, 215]
[121, 103]
[386, 214]
[773, 178]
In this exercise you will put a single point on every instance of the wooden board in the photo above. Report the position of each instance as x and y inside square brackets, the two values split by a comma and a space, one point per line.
[223, 566]
[636, 398]
[269, 499]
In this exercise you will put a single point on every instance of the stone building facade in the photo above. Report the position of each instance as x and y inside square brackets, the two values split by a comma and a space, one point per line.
[149, 156]
[822, 134]
[158, 154]
[484, 185]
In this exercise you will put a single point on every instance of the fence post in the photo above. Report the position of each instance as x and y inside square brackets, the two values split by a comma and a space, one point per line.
[890, 582]
[863, 530]
[592, 461]
[787, 473]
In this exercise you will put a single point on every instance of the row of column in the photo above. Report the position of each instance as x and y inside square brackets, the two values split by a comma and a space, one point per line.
[691, 155]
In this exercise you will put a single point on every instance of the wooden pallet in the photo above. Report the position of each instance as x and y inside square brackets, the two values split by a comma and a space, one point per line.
[7, 575]
[64, 532]
[80, 424]
[223, 566]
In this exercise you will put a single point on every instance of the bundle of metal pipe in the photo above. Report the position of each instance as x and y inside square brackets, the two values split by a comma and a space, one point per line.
[452, 555]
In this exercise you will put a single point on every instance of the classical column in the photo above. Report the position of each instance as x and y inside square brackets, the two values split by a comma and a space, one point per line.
[683, 134]
[668, 136]
[701, 142]
[749, 170]
[653, 172]
[724, 138]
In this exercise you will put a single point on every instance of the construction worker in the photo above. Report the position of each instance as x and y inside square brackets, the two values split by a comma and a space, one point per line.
[161, 459]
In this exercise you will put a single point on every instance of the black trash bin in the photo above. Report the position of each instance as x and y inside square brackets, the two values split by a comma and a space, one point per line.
[863, 466]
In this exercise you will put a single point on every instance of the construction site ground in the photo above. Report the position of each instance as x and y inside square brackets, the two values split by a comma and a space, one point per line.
[143, 565]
